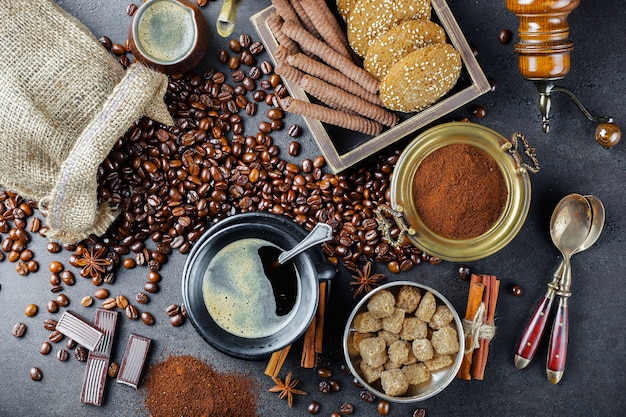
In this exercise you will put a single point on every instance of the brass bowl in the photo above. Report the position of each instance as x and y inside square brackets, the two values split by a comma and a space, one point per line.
[515, 176]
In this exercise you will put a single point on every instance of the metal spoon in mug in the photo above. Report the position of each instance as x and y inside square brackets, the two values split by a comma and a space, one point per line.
[321, 233]
[570, 226]
[557, 349]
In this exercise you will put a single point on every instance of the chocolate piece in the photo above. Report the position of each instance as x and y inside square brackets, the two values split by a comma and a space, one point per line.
[78, 329]
[94, 380]
[133, 360]
[106, 321]
[98, 361]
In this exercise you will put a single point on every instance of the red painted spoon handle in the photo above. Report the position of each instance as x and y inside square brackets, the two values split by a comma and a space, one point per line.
[533, 331]
[557, 351]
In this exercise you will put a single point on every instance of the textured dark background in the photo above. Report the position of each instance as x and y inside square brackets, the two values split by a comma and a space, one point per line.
[571, 162]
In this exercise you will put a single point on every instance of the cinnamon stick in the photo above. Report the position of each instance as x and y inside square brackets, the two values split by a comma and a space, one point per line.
[276, 361]
[475, 298]
[481, 353]
[309, 356]
[320, 315]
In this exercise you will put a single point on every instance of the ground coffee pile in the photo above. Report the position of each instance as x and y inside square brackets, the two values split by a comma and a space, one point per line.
[186, 386]
[459, 191]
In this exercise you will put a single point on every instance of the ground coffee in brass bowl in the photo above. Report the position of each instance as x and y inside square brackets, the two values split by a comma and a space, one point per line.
[460, 191]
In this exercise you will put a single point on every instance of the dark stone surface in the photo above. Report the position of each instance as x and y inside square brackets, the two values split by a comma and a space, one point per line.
[571, 162]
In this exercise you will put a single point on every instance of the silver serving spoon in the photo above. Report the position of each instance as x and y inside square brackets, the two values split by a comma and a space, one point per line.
[570, 229]
[558, 339]
[321, 233]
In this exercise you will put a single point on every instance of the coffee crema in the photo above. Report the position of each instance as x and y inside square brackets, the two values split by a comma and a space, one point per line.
[239, 295]
[165, 31]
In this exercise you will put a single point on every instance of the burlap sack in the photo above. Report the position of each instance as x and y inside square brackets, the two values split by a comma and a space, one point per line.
[64, 101]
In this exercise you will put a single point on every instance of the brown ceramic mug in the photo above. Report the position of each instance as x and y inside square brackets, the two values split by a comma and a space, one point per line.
[170, 36]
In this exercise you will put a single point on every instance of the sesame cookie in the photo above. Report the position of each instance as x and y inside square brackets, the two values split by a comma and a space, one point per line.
[368, 19]
[398, 42]
[421, 78]
[343, 6]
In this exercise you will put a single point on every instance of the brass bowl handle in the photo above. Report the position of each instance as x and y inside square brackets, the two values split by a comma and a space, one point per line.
[385, 225]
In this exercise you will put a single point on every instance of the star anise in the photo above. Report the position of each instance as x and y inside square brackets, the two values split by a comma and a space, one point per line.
[93, 263]
[286, 388]
[365, 281]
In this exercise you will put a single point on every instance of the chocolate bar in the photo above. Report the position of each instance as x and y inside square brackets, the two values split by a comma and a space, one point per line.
[133, 360]
[79, 330]
[98, 361]
[94, 380]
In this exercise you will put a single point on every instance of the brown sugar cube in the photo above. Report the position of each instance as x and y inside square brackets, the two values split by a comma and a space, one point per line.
[439, 362]
[373, 351]
[422, 349]
[408, 297]
[413, 328]
[399, 351]
[388, 337]
[394, 382]
[369, 373]
[410, 359]
[441, 318]
[427, 307]
[357, 337]
[365, 322]
[416, 373]
[381, 304]
[445, 341]
[393, 322]
[391, 365]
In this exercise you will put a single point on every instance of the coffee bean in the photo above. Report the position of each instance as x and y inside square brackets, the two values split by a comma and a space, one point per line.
[56, 267]
[147, 318]
[233, 62]
[234, 45]
[151, 287]
[55, 336]
[70, 344]
[504, 36]
[131, 312]
[52, 306]
[50, 324]
[334, 385]
[335, 414]
[129, 263]
[109, 304]
[294, 131]
[244, 40]
[383, 407]
[86, 301]
[314, 407]
[177, 320]
[266, 67]
[26, 255]
[420, 412]
[68, 277]
[33, 266]
[118, 49]
[141, 298]
[293, 148]
[19, 329]
[106, 42]
[34, 225]
[35, 374]
[62, 355]
[113, 370]
[256, 48]
[464, 273]
[21, 267]
[80, 353]
[131, 9]
[45, 348]
[516, 290]
[324, 387]
[367, 396]
[346, 408]
[101, 293]
[172, 310]
[30, 310]
[121, 302]
[479, 111]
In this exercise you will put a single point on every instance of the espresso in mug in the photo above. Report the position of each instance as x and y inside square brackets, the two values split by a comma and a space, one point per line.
[245, 293]
[165, 31]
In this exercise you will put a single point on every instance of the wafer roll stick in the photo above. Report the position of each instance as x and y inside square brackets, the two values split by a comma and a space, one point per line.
[305, 18]
[331, 116]
[324, 72]
[327, 26]
[330, 56]
[286, 11]
[275, 22]
[290, 73]
[334, 96]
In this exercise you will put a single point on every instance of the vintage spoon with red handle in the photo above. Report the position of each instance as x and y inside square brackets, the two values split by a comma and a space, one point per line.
[570, 226]
[557, 349]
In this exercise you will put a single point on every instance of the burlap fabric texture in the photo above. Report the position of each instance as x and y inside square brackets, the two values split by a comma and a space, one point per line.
[64, 102]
